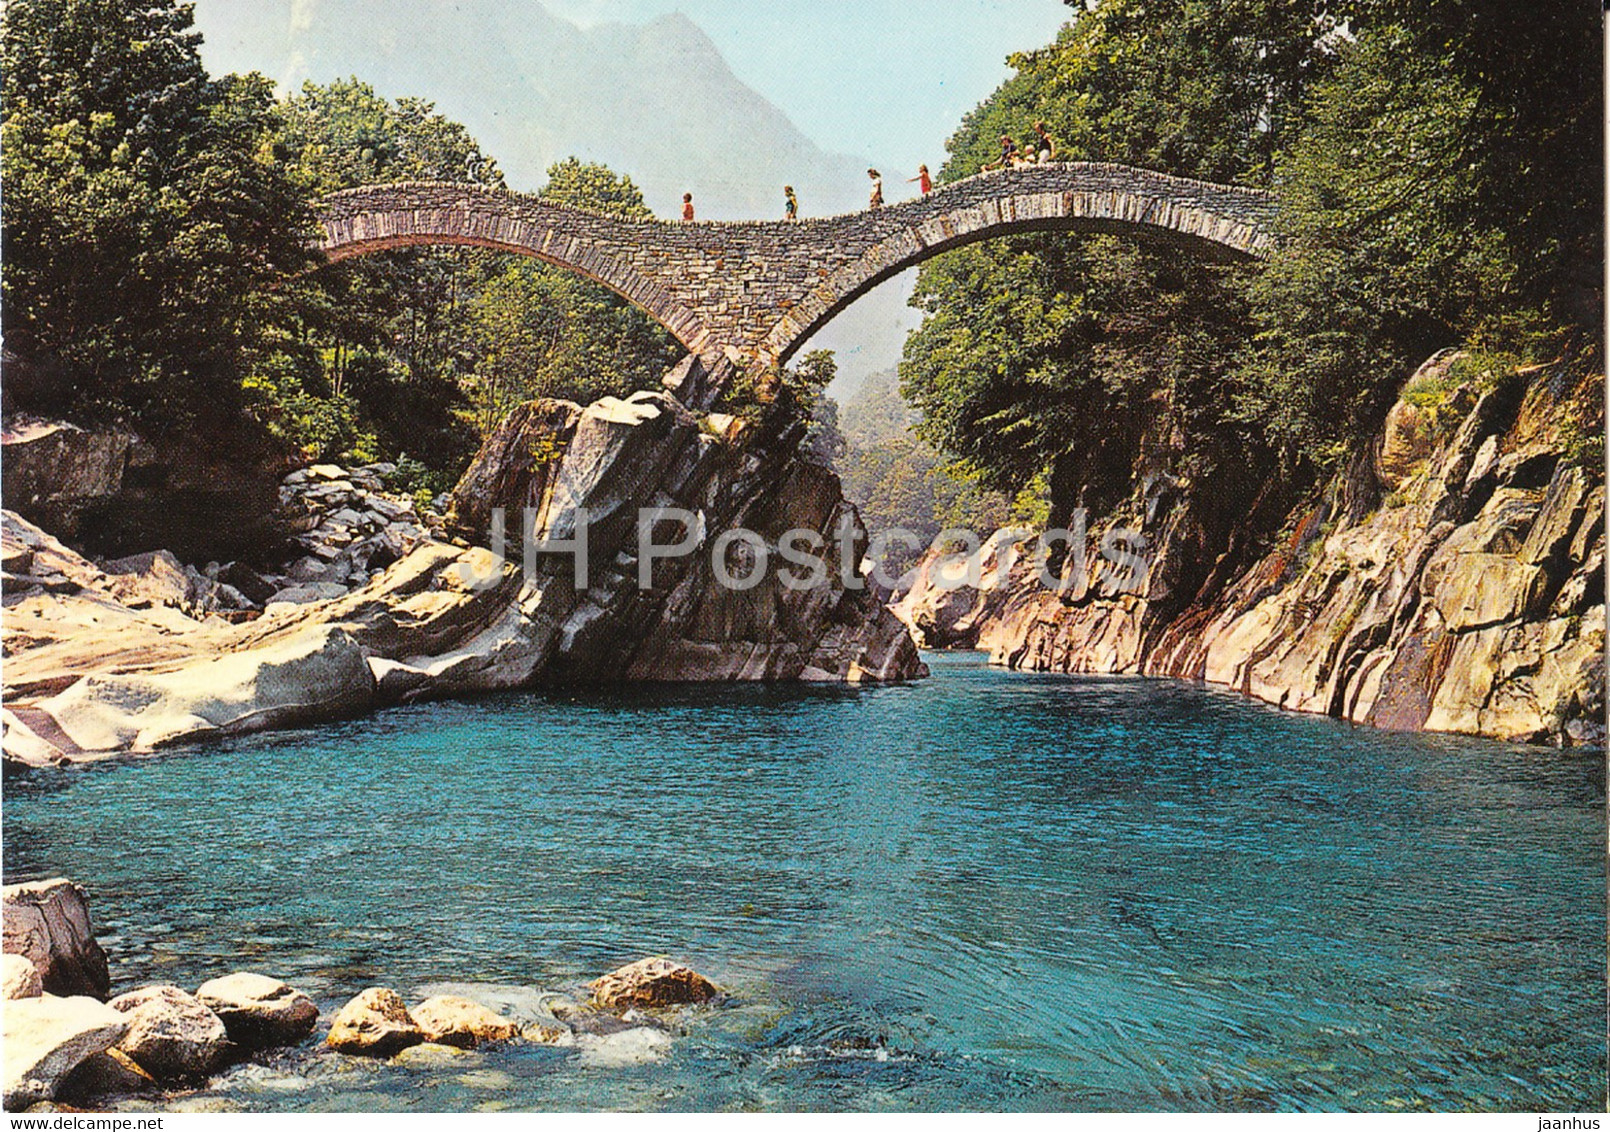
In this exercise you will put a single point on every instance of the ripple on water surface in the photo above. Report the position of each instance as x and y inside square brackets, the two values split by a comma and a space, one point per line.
[985, 889]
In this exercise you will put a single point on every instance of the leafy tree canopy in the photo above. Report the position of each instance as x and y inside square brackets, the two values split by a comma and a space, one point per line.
[147, 222]
[1438, 166]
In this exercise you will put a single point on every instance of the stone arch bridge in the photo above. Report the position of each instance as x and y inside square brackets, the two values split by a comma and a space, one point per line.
[750, 292]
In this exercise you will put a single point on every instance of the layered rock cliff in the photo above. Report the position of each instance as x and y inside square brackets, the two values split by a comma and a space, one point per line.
[1451, 580]
[96, 665]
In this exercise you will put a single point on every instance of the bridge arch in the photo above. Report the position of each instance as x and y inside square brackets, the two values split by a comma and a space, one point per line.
[752, 291]
[1204, 220]
[376, 218]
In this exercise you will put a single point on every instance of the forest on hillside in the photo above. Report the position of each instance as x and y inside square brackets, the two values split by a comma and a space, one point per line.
[156, 270]
[1439, 170]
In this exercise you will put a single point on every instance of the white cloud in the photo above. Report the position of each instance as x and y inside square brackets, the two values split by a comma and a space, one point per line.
[302, 12]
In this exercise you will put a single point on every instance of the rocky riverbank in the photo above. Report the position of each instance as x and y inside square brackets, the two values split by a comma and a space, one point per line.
[380, 605]
[1452, 579]
[69, 1045]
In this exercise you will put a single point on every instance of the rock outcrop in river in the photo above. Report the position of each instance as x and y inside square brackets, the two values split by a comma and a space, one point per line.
[97, 666]
[1451, 580]
[155, 1043]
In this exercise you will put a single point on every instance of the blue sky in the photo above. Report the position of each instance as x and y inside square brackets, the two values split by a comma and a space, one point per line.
[888, 77]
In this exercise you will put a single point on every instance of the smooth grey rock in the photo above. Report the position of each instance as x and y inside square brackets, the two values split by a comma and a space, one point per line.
[317, 674]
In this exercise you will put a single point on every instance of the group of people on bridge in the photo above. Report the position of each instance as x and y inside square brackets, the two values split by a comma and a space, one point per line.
[1035, 150]
[923, 181]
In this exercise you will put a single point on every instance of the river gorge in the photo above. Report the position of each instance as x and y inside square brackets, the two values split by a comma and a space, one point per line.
[716, 623]
[985, 889]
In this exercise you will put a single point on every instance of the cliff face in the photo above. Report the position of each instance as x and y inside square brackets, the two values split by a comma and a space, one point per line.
[1451, 580]
[206, 493]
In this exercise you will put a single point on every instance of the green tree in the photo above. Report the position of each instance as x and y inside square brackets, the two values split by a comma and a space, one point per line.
[389, 332]
[148, 225]
[595, 187]
[1198, 88]
[807, 383]
[1438, 165]
[1443, 192]
[342, 135]
[542, 331]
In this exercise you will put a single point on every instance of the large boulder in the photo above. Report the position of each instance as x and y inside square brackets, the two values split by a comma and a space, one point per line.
[19, 978]
[47, 923]
[259, 1012]
[54, 471]
[954, 596]
[46, 1038]
[375, 1024]
[319, 674]
[514, 469]
[453, 1021]
[171, 1034]
[655, 981]
[203, 493]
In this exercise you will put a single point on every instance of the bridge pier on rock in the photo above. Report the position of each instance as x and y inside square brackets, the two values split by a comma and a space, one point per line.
[618, 457]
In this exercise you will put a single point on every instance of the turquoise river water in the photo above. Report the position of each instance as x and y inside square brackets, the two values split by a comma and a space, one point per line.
[982, 890]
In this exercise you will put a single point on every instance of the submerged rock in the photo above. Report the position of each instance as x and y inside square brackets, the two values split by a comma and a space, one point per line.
[638, 1046]
[375, 1024]
[655, 981]
[171, 1034]
[257, 1011]
[47, 923]
[454, 1021]
[46, 1038]
[436, 1055]
[542, 1033]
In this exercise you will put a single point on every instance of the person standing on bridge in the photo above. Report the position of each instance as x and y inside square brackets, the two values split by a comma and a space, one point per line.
[1046, 150]
[687, 206]
[924, 182]
[877, 188]
[790, 203]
